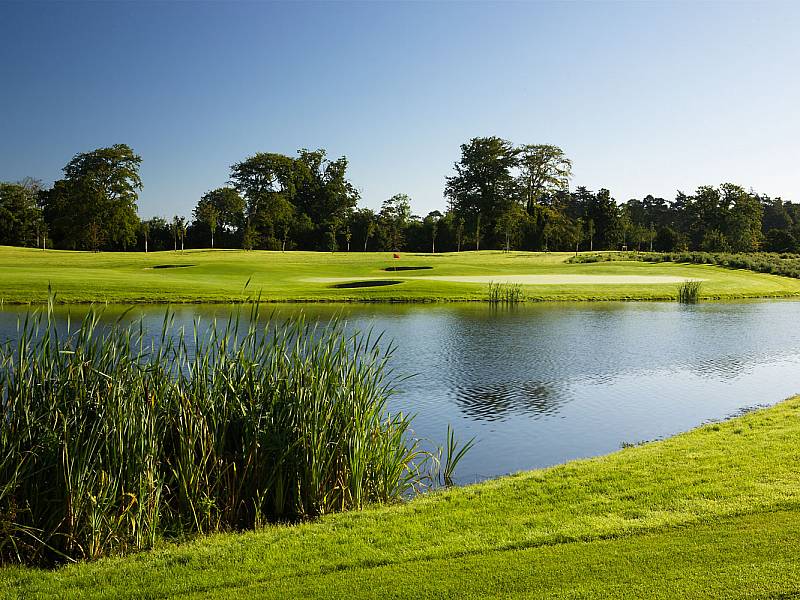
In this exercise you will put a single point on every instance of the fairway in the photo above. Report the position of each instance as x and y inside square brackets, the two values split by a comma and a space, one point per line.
[526, 279]
[235, 276]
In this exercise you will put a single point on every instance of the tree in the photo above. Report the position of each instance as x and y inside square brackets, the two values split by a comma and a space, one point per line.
[395, 214]
[207, 213]
[362, 225]
[704, 212]
[668, 239]
[348, 235]
[544, 169]
[20, 217]
[323, 191]
[221, 208]
[558, 230]
[714, 241]
[300, 197]
[509, 224]
[178, 230]
[780, 240]
[95, 203]
[267, 181]
[744, 218]
[604, 218]
[483, 185]
[145, 229]
[330, 235]
[431, 224]
[249, 236]
[156, 233]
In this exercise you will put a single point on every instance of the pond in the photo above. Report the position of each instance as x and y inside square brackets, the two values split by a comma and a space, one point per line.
[540, 384]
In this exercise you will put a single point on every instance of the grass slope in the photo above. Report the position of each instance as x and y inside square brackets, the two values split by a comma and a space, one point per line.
[711, 513]
[220, 276]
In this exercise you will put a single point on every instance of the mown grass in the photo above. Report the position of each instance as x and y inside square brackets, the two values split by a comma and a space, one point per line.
[221, 276]
[711, 513]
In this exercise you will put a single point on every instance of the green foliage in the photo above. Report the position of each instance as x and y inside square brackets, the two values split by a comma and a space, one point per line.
[689, 292]
[94, 206]
[483, 185]
[507, 293]
[784, 264]
[111, 440]
[20, 218]
[394, 217]
[222, 207]
[543, 169]
[293, 198]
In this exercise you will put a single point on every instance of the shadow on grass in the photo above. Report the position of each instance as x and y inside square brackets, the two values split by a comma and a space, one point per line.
[171, 266]
[364, 284]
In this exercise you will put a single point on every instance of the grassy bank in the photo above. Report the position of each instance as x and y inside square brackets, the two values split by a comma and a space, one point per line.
[711, 513]
[221, 276]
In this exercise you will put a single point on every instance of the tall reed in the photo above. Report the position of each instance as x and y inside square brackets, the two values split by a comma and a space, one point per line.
[111, 438]
[504, 292]
[689, 292]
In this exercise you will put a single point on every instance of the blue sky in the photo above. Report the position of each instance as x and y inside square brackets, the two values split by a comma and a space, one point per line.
[644, 97]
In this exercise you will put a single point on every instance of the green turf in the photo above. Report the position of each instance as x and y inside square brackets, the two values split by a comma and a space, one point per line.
[713, 513]
[219, 276]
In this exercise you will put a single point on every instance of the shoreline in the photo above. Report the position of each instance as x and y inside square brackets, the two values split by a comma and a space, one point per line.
[641, 505]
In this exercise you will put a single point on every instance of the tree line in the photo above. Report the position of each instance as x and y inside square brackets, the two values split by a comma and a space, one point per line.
[499, 196]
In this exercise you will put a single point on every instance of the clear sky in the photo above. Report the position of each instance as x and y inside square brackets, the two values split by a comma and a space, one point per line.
[644, 97]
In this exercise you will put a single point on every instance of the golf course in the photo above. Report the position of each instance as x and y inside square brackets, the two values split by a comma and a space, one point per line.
[711, 513]
[236, 276]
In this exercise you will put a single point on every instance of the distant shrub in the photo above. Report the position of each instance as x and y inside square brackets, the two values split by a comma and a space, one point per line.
[784, 264]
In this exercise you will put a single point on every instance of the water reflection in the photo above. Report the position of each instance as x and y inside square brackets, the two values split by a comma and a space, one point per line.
[540, 384]
[500, 401]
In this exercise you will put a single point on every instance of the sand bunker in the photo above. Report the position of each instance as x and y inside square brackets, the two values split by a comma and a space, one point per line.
[555, 279]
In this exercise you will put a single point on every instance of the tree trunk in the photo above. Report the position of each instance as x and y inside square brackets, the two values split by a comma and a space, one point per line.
[212, 239]
[145, 245]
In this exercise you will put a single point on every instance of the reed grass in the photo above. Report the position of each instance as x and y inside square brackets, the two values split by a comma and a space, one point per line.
[505, 293]
[689, 292]
[112, 437]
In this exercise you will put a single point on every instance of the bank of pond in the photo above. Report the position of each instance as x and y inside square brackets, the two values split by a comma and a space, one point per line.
[128, 427]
